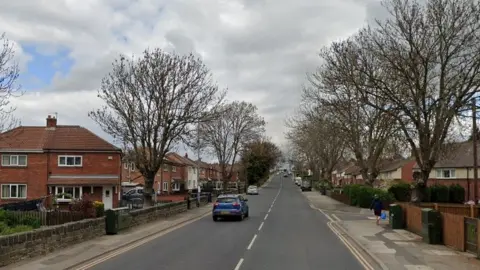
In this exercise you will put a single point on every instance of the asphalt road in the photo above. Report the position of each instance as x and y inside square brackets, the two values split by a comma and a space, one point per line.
[282, 233]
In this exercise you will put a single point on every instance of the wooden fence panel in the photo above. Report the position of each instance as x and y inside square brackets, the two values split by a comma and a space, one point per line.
[453, 231]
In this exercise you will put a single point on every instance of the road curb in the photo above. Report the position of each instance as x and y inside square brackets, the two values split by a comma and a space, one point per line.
[357, 243]
[83, 262]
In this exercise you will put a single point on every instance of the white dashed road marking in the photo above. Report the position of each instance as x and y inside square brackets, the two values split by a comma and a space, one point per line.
[239, 264]
[251, 242]
[261, 225]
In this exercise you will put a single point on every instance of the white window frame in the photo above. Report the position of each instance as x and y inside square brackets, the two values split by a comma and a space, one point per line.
[174, 169]
[165, 186]
[165, 168]
[10, 191]
[63, 199]
[440, 173]
[70, 156]
[15, 164]
[125, 166]
[176, 186]
[132, 167]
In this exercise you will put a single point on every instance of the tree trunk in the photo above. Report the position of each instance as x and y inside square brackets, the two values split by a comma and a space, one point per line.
[419, 193]
[148, 191]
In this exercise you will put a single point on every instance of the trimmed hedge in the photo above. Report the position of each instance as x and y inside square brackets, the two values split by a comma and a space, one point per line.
[361, 195]
[437, 193]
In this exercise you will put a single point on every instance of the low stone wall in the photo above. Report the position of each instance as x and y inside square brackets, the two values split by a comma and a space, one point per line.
[20, 246]
[17, 247]
[145, 215]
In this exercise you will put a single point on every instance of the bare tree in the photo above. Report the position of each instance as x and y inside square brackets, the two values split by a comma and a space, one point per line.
[315, 136]
[365, 129]
[238, 124]
[424, 62]
[9, 72]
[152, 103]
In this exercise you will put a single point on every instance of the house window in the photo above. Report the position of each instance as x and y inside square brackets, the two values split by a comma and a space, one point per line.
[132, 166]
[165, 186]
[70, 161]
[67, 193]
[14, 191]
[446, 173]
[14, 160]
[165, 168]
[176, 186]
[174, 169]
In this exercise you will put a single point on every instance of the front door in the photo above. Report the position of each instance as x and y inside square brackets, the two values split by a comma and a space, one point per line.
[107, 197]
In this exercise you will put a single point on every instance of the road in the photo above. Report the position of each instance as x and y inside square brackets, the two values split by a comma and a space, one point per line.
[282, 233]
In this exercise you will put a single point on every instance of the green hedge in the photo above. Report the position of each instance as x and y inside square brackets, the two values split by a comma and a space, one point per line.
[361, 195]
[436, 193]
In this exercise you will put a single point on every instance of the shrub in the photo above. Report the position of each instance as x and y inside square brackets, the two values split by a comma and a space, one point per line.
[400, 191]
[85, 206]
[99, 208]
[457, 193]
[32, 222]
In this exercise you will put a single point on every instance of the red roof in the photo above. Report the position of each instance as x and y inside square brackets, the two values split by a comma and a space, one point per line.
[53, 138]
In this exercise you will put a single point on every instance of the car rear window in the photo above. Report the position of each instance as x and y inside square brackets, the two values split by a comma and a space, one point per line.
[227, 200]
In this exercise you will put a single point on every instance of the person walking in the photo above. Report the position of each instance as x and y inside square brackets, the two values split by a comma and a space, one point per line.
[377, 207]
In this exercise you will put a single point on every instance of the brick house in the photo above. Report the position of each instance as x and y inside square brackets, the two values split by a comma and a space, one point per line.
[456, 167]
[58, 159]
[399, 169]
[189, 169]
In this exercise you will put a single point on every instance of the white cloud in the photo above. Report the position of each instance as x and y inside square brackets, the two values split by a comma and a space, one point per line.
[259, 49]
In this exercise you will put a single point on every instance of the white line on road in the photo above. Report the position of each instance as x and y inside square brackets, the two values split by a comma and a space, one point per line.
[135, 245]
[270, 209]
[335, 217]
[261, 225]
[325, 214]
[239, 264]
[251, 242]
[266, 216]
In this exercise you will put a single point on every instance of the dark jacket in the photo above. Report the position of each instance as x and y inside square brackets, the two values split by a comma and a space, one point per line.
[376, 205]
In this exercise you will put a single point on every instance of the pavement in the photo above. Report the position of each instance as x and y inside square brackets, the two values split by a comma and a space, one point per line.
[282, 233]
[385, 248]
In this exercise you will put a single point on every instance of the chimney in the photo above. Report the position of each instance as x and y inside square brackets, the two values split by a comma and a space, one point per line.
[51, 121]
[186, 155]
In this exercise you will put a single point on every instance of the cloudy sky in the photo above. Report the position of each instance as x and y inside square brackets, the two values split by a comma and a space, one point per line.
[259, 49]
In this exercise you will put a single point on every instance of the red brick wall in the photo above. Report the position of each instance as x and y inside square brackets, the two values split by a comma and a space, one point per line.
[92, 163]
[34, 175]
[407, 171]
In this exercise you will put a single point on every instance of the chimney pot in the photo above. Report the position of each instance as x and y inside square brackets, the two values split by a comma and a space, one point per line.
[186, 155]
[51, 121]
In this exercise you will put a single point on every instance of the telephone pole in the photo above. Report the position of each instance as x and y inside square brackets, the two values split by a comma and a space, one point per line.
[474, 140]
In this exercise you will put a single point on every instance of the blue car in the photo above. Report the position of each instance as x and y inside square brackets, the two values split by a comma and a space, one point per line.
[233, 205]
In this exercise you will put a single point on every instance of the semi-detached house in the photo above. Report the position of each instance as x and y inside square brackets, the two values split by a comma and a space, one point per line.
[37, 161]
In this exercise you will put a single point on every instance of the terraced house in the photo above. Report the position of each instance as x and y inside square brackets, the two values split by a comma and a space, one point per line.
[67, 161]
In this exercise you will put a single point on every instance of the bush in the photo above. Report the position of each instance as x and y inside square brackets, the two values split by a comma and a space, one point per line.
[362, 196]
[99, 208]
[32, 222]
[85, 206]
[400, 191]
[457, 193]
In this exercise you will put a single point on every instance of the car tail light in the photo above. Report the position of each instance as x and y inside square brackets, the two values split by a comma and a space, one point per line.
[215, 204]
[236, 205]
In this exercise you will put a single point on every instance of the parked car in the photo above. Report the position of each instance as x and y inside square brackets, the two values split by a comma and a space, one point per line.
[230, 205]
[298, 181]
[252, 190]
[133, 197]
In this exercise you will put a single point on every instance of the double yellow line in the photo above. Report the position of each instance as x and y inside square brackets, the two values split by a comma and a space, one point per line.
[350, 247]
